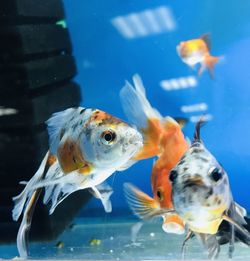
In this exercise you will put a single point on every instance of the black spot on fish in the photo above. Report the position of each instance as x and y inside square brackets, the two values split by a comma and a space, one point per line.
[61, 133]
[204, 159]
[196, 150]
[216, 200]
[88, 132]
[209, 193]
[219, 201]
[181, 162]
[207, 204]
[82, 111]
[196, 144]
[74, 126]
[194, 188]
[185, 168]
[74, 159]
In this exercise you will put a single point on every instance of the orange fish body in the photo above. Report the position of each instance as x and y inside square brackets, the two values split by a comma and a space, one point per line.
[197, 51]
[163, 138]
[173, 145]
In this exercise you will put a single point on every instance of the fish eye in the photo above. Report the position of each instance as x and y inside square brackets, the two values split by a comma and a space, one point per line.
[108, 137]
[159, 195]
[173, 175]
[216, 174]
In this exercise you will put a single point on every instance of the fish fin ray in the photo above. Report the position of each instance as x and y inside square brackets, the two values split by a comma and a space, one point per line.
[21, 199]
[240, 210]
[22, 240]
[103, 192]
[135, 103]
[211, 244]
[209, 62]
[59, 188]
[140, 113]
[55, 127]
[142, 205]
[239, 227]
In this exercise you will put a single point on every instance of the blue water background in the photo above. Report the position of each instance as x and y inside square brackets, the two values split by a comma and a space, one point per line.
[105, 59]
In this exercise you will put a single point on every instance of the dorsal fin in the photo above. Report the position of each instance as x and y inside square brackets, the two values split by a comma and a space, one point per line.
[136, 105]
[55, 127]
[207, 39]
[197, 137]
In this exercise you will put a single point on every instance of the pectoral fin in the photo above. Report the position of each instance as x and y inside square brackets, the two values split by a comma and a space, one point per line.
[143, 205]
[140, 203]
[103, 192]
[239, 227]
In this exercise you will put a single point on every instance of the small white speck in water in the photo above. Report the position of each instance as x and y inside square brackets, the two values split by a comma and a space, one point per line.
[111, 238]
[111, 251]
[152, 234]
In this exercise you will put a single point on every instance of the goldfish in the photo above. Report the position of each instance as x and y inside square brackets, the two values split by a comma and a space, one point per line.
[163, 138]
[202, 197]
[86, 146]
[197, 51]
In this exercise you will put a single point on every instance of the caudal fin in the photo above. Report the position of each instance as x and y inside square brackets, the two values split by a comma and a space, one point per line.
[25, 195]
[22, 235]
[209, 63]
[140, 113]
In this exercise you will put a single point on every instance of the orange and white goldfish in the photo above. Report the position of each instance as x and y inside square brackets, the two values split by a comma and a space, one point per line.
[203, 198]
[86, 147]
[163, 138]
[197, 51]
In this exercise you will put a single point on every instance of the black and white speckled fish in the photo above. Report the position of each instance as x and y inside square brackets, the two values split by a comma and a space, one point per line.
[86, 147]
[202, 197]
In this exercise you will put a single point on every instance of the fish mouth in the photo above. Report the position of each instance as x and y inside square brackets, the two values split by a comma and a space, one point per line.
[193, 182]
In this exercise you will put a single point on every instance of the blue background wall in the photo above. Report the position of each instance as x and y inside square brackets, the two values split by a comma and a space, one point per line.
[105, 59]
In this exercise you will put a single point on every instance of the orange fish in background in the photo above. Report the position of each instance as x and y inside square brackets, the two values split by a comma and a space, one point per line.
[197, 51]
[163, 137]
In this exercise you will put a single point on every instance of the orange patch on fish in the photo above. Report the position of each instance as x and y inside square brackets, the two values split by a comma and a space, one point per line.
[86, 169]
[70, 156]
[173, 224]
[51, 160]
[152, 135]
[101, 117]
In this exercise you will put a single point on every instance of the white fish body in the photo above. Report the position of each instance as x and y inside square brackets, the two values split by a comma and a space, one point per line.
[86, 147]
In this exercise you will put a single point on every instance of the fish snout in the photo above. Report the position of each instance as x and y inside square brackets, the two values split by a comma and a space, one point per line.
[191, 182]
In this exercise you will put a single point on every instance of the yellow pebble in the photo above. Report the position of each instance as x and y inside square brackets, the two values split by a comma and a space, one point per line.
[95, 242]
